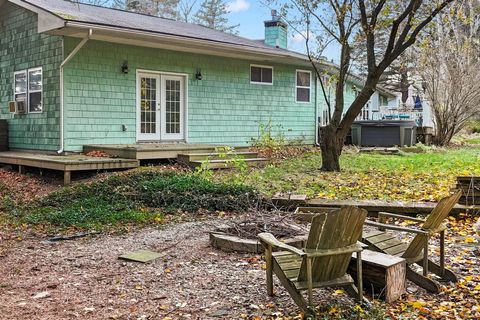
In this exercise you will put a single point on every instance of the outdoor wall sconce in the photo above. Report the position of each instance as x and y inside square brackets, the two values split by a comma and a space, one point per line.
[125, 67]
[198, 74]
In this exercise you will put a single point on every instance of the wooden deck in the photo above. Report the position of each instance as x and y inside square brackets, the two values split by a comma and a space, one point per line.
[150, 151]
[67, 163]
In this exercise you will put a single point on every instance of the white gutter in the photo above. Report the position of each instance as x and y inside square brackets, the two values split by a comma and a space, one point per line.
[67, 59]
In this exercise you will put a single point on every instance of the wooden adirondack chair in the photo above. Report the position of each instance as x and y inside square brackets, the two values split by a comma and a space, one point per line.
[416, 252]
[324, 261]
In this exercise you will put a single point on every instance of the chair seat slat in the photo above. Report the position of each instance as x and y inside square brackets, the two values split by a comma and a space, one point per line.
[341, 281]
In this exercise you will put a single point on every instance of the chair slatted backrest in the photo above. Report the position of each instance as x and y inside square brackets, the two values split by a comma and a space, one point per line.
[333, 230]
[433, 221]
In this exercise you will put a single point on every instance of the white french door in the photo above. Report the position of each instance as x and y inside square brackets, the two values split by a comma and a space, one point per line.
[172, 107]
[160, 107]
[148, 105]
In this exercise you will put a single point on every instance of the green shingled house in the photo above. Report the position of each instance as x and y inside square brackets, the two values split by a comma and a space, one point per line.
[74, 75]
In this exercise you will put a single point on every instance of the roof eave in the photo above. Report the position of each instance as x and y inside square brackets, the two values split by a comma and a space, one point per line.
[174, 42]
[46, 20]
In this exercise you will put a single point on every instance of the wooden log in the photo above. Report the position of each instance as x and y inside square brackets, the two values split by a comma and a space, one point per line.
[383, 275]
[232, 243]
[305, 214]
[375, 206]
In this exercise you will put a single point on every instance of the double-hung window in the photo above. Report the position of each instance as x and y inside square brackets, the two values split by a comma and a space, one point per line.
[35, 86]
[28, 90]
[20, 89]
[261, 74]
[303, 85]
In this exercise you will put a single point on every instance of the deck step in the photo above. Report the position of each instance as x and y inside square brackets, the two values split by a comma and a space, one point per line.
[198, 156]
[226, 163]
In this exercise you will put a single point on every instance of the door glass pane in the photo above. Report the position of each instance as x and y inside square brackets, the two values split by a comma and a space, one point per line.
[173, 106]
[148, 105]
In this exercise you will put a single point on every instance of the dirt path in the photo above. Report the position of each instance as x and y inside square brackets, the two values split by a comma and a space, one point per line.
[83, 279]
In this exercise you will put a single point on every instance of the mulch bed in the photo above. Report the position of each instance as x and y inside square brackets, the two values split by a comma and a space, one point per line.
[26, 186]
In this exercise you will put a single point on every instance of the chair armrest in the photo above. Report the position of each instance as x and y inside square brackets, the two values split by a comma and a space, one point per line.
[315, 253]
[440, 228]
[396, 228]
[269, 239]
[399, 217]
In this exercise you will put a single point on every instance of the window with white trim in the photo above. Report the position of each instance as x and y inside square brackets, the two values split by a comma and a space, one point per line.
[261, 74]
[28, 89]
[20, 81]
[303, 85]
[35, 88]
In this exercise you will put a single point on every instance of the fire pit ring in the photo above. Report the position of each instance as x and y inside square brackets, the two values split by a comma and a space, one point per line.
[232, 238]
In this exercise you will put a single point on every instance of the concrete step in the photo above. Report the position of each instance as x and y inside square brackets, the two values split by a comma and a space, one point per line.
[227, 164]
[196, 156]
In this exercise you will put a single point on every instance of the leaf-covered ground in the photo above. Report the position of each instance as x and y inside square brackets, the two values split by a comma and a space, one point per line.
[459, 300]
[425, 176]
[17, 186]
[83, 279]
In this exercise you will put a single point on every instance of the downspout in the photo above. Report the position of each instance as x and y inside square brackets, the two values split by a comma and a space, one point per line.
[62, 65]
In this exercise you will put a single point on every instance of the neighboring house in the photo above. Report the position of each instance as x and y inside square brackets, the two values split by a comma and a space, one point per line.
[75, 74]
[393, 123]
[381, 98]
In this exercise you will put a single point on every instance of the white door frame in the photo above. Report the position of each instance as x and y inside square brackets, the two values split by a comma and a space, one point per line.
[148, 136]
[161, 134]
[163, 117]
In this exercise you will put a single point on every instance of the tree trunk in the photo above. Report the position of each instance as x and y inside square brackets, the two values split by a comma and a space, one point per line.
[404, 85]
[331, 147]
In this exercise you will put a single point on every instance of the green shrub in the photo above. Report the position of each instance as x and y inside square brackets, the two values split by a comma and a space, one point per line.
[270, 136]
[132, 198]
[191, 193]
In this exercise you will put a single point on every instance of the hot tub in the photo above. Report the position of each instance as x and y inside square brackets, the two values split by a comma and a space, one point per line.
[383, 133]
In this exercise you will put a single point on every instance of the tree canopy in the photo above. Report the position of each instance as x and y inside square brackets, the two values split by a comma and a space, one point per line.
[212, 14]
[383, 29]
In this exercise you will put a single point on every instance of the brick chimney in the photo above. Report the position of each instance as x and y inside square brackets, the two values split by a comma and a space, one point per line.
[276, 31]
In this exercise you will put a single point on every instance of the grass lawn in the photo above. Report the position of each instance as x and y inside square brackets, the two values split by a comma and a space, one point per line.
[407, 176]
[473, 141]
[143, 196]
[470, 139]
